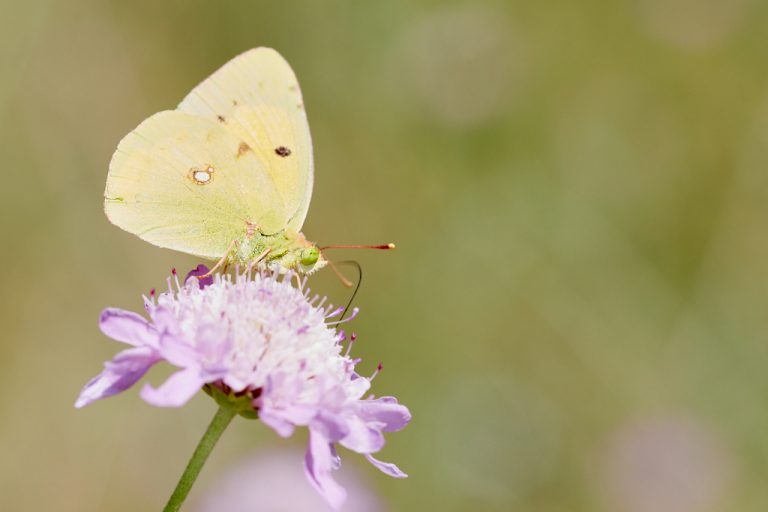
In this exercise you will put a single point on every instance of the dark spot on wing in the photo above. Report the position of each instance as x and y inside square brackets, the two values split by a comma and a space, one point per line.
[282, 151]
[235, 103]
[221, 118]
[242, 149]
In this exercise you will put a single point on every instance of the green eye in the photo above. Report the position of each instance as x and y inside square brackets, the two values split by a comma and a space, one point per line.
[309, 256]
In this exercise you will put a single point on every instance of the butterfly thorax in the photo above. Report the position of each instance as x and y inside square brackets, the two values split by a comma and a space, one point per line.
[284, 250]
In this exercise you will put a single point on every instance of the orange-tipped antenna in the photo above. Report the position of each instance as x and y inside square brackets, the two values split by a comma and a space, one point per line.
[383, 247]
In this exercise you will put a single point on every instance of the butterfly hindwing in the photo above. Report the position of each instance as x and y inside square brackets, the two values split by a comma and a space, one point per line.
[187, 183]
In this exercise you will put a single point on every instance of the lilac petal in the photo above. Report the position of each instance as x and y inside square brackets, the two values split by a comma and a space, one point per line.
[176, 390]
[213, 341]
[277, 381]
[385, 411]
[200, 270]
[331, 426]
[281, 426]
[335, 459]
[362, 438]
[233, 381]
[178, 352]
[283, 420]
[127, 327]
[212, 372]
[386, 467]
[164, 320]
[319, 461]
[300, 414]
[358, 386]
[121, 373]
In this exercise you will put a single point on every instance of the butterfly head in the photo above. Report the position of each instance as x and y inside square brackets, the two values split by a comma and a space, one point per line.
[309, 256]
[310, 259]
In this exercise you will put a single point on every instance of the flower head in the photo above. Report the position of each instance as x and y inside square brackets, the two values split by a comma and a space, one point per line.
[259, 339]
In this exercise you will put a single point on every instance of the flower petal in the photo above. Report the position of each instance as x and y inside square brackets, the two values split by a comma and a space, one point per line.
[176, 390]
[358, 386]
[178, 351]
[283, 420]
[386, 411]
[213, 341]
[362, 437]
[319, 461]
[119, 374]
[127, 327]
[386, 467]
[330, 425]
[164, 319]
[281, 426]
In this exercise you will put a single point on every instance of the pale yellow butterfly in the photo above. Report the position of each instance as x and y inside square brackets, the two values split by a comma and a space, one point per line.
[228, 174]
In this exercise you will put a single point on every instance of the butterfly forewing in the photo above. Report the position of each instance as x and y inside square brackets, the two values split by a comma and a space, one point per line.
[187, 183]
[257, 98]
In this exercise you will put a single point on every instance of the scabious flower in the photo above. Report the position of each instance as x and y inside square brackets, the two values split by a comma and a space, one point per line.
[256, 338]
[270, 480]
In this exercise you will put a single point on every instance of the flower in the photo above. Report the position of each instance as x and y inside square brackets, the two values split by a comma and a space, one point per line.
[270, 480]
[259, 338]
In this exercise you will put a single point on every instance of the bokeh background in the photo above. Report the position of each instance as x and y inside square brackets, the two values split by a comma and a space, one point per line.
[577, 312]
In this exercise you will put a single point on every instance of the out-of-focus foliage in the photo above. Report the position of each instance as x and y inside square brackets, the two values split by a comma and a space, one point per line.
[577, 312]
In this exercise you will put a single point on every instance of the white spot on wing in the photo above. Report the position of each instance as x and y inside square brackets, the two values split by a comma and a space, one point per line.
[201, 176]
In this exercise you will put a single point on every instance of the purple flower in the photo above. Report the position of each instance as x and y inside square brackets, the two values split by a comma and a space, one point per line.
[259, 337]
[199, 271]
[270, 480]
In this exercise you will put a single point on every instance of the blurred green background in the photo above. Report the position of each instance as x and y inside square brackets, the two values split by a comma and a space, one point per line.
[576, 312]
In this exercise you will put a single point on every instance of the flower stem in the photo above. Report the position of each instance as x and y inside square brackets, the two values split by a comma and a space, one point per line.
[219, 422]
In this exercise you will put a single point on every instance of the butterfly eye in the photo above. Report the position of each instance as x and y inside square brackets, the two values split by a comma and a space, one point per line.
[309, 256]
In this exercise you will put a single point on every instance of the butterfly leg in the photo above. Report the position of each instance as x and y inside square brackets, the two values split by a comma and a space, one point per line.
[261, 256]
[346, 282]
[221, 262]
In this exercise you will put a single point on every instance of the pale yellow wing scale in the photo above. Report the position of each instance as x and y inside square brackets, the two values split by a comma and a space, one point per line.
[188, 183]
[257, 97]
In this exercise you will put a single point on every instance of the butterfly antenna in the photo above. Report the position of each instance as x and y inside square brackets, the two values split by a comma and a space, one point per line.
[344, 280]
[357, 287]
[384, 247]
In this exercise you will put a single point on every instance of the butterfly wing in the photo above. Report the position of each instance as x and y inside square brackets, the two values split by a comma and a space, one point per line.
[256, 96]
[187, 183]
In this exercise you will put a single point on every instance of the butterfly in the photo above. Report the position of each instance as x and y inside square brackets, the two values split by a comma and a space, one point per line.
[227, 175]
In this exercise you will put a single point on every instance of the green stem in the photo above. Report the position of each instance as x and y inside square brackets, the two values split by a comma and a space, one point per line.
[219, 422]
